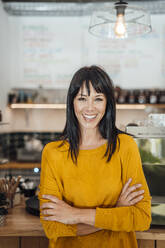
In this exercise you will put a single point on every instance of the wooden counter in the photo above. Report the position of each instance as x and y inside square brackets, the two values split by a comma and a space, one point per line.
[23, 229]
[20, 223]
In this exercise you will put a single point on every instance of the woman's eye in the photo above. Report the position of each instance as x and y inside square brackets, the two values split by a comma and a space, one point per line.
[99, 99]
[81, 99]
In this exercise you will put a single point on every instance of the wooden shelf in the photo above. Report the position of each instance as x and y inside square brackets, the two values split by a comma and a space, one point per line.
[37, 106]
[139, 106]
[16, 165]
[63, 106]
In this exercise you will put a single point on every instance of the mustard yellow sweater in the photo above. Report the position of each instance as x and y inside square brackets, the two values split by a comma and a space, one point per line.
[93, 183]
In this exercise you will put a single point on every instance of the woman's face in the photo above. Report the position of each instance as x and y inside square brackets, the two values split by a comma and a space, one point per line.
[89, 110]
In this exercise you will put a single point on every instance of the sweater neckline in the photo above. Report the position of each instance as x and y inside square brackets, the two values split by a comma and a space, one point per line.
[91, 151]
[97, 150]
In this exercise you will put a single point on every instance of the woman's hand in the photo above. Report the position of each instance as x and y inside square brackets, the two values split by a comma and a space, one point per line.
[129, 196]
[58, 210]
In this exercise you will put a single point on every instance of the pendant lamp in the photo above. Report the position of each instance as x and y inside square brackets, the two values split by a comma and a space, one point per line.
[120, 22]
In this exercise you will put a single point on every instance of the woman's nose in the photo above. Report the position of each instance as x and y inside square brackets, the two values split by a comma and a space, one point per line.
[90, 105]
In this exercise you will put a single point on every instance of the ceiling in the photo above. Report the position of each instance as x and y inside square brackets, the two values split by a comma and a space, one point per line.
[72, 7]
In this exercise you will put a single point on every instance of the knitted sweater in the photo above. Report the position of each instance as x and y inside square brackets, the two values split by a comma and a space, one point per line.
[94, 183]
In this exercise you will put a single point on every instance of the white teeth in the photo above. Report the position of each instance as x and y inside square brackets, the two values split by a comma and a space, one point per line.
[90, 116]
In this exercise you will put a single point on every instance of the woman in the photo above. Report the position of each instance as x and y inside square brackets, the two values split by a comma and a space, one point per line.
[93, 192]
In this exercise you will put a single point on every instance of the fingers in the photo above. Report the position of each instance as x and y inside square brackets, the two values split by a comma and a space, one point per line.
[47, 205]
[132, 188]
[136, 194]
[51, 198]
[51, 218]
[126, 185]
[136, 200]
[48, 212]
[51, 204]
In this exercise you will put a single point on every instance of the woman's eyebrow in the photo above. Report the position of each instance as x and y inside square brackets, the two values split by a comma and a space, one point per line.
[100, 94]
[82, 94]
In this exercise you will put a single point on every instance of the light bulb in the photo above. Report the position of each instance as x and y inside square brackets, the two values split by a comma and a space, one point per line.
[120, 27]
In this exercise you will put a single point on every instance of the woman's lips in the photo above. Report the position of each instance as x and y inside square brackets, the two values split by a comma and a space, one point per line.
[89, 117]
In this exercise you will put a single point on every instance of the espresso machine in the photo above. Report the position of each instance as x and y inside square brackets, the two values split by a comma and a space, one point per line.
[151, 143]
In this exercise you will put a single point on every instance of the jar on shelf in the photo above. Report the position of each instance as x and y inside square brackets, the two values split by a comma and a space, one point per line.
[141, 98]
[153, 99]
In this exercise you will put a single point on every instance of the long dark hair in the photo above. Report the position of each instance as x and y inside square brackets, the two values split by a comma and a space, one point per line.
[102, 83]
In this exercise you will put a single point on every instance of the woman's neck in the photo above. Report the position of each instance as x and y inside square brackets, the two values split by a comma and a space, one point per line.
[91, 138]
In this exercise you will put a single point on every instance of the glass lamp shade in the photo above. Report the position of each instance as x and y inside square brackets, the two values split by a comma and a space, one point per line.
[133, 22]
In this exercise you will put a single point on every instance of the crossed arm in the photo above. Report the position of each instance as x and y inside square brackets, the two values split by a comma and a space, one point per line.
[60, 211]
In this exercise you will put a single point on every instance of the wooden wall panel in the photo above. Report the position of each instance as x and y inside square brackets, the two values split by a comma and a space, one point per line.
[43, 243]
[9, 242]
[146, 243]
[160, 244]
[31, 242]
[34, 242]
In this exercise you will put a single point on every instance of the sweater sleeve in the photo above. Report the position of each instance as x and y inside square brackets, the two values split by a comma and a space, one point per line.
[49, 185]
[131, 218]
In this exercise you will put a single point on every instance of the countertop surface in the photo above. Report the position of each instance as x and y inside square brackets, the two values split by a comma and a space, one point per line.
[20, 223]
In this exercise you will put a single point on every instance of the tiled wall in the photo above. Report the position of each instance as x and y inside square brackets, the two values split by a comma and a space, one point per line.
[10, 142]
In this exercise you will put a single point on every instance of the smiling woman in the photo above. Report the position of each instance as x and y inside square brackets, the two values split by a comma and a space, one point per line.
[89, 109]
[91, 176]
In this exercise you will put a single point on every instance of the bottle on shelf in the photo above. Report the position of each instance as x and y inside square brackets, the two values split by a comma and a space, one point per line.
[161, 98]
[131, 97]
[21, 97]
[117, 91]
[122, 98]
[147, 94]
[12, 97]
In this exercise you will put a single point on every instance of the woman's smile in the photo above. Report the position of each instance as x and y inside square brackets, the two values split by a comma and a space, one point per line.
[89, 117]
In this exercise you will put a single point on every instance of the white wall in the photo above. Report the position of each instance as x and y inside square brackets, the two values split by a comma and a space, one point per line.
[4, 57]
[48, 50]
[28, 61]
